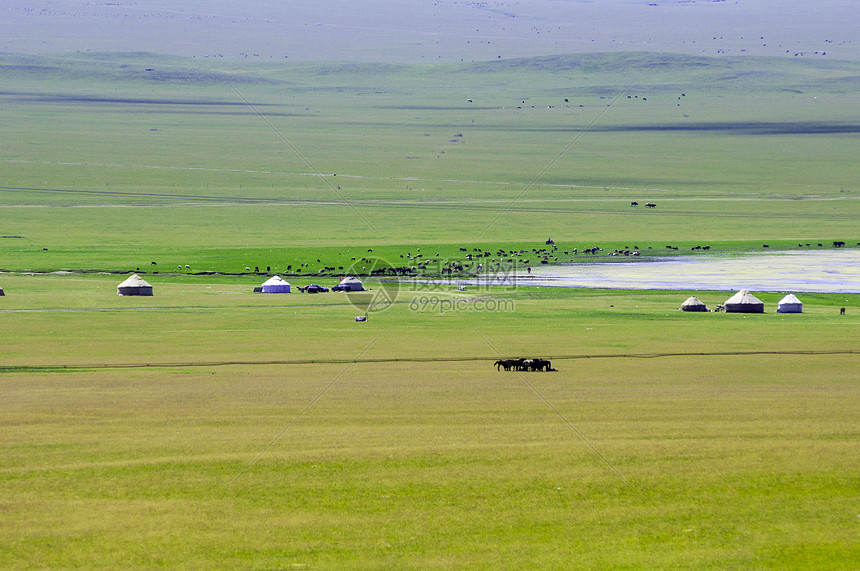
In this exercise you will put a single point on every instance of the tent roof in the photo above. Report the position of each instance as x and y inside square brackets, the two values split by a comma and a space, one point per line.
[744, 297]
[350, 279]
[134, 280]
[790, 299]
[692, 300]
[275, 280]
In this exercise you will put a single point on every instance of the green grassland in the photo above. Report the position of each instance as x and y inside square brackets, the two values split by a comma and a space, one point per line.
[192, 159]
[210, 427]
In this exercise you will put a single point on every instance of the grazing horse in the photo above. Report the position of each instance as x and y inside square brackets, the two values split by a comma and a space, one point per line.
[502, 363]
[524, 365]
[841, 311]
[541, 365]
[650, 205]
[634, 204]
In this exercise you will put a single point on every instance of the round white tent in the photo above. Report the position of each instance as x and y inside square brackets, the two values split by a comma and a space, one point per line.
[789, 304]
[276, 284]
[744, 302]
[134, 285]
[351, 283]
[1, 292]
[693, 304]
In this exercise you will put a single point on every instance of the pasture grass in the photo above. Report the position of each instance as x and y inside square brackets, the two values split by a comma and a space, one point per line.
[209, 427]
[108, 165]
[131, 441]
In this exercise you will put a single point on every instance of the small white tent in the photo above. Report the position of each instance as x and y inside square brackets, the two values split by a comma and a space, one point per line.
[744, 302]
[789, 304]
[134, 285]
[1, 292]
[693, 304]
[351, 283]
[276, 284]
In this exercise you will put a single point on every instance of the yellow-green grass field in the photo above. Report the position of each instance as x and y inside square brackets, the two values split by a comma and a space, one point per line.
[211, 427]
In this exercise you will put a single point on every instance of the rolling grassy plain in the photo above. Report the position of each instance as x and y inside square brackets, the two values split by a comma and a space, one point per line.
[110, 166]
[209, 427]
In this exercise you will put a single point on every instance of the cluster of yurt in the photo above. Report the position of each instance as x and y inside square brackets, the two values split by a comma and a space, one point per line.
[136, 285]
[746, 302]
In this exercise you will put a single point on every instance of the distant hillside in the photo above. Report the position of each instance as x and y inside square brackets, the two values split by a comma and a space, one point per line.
[441, 31]
[582, 71]
[651, 64]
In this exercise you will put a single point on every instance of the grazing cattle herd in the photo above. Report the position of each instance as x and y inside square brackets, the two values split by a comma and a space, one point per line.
[524, 365]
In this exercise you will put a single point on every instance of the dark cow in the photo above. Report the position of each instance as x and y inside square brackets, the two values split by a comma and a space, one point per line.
[650, 205]
[634, 204]
[841, 311]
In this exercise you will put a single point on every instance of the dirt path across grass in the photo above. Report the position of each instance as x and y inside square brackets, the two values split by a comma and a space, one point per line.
[335, 361]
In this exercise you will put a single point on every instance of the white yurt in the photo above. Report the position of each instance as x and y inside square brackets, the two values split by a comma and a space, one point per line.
[1, 292]
[744, 302]
[276, 284]
[351, 283]
[134, 285]
[789, 304]
[693, 304]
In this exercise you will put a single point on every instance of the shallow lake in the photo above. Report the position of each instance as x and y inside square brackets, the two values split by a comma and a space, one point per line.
[830, 271]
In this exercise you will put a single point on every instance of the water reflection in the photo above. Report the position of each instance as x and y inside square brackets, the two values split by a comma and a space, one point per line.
[831, 271]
